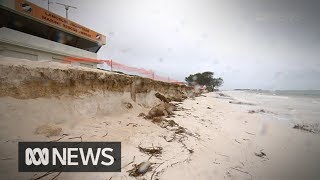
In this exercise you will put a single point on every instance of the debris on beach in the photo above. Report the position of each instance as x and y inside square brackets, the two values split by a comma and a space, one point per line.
[261, 154]
[172, 123]
[256, 111]
[164, 123]
[164, 109]
[154, 151]
[140, 169]
[182, 109]
[142, 115]
[180, 130]
[304, 127]
[133, 124]
[170, 116]
[179, 134]
[223, 95]
[128, 105]
[158, 120]
[242, 103]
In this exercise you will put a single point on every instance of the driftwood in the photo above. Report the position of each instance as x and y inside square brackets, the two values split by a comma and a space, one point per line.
[154, 151]
[105, 135]
[77, 137]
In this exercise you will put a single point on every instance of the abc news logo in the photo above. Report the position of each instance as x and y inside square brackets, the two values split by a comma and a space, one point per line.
[70, 156]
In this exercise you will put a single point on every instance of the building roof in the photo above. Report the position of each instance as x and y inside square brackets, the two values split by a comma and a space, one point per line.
[36, 13]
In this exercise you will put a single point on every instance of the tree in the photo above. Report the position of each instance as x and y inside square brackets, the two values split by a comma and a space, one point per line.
[205, 78]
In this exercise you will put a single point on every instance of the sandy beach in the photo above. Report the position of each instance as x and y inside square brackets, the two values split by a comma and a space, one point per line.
[206, 137]
[159, 90]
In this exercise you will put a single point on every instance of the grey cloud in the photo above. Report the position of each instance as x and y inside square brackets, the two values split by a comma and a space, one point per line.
[252, 44]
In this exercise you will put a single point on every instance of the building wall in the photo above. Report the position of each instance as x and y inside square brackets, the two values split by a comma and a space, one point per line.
[21, 45]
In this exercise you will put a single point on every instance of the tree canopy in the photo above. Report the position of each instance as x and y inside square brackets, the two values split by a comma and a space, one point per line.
[204, 78]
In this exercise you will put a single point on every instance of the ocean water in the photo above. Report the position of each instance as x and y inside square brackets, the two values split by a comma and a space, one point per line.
[292, 93]
[294, 106]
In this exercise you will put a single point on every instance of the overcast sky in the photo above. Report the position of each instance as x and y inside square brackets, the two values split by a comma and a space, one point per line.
[266, 44]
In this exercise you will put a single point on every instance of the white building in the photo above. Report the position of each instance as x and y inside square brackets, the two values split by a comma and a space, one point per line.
[30, 32]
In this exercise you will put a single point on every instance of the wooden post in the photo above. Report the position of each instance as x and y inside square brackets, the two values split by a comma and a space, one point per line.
[133, 90]
[111, 65]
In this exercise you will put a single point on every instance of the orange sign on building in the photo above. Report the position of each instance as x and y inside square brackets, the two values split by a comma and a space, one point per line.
[53, 19]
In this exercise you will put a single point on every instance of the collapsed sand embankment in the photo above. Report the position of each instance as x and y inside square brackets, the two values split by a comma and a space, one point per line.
[25, 79]
[53, 93]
